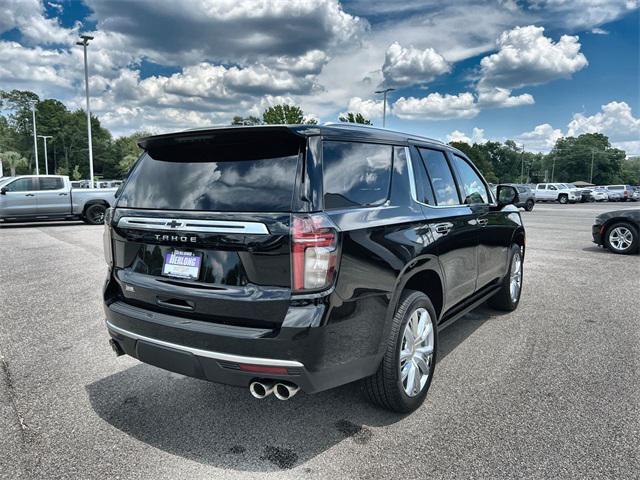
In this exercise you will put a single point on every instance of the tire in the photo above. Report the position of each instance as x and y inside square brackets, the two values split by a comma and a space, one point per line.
[504, 300]
[386, 388]
[563, 199]
[529, 204]
[622, 238]
[94, 214]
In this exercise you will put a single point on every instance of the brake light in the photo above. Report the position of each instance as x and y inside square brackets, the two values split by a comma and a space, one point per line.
[314, 241]
[106, 237]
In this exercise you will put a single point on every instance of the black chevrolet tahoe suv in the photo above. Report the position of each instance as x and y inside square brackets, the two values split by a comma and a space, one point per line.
[287, 258]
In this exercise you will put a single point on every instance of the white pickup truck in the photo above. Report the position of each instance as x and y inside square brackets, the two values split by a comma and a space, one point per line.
[560, 192]
[51, 197]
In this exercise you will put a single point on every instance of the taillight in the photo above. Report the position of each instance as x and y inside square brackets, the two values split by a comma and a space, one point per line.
[106, 237]
[314, 242]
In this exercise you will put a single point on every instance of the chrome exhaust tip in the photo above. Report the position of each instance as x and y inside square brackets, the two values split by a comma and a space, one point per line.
[285, 391]
[260, 389]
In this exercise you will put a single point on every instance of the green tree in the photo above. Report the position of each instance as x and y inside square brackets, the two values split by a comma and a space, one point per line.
[350, 117]
[75, 174]
[479, 157]
[13, 160]
[573, 157]
[285, 115]
[250, 120]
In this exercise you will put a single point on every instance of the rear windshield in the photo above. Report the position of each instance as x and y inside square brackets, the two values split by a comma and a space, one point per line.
[238, 178]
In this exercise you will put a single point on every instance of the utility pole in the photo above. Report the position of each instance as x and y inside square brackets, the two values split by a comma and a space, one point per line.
[384, 104]
[84, 43]
[553, 167]
[591, 175]
[35, 136]
[522, 165]
[46, 158]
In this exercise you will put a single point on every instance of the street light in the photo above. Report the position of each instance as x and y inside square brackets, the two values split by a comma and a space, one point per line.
[384, 105]
[85, 43]
[35, 136]
[46, 158]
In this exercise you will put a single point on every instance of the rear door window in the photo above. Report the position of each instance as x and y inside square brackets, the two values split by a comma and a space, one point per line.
[248, 177]
[355, 174]
[444, 186]
[49, 183]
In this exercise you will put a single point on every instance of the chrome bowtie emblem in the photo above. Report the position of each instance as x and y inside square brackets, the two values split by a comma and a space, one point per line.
[174, 224]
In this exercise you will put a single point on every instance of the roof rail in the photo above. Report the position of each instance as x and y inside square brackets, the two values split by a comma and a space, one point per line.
[371, 127]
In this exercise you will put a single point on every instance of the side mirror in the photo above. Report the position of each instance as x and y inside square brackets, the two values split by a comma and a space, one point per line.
[3, 191]
[507, 195]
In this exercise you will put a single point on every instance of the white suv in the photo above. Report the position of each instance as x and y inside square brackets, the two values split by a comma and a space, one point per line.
[561, 192]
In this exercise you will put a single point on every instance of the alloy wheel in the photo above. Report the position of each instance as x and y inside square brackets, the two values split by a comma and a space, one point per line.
[620, 238]
[515, 283]
[416, 354]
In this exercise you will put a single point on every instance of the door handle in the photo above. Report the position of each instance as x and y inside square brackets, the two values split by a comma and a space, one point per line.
[63, 193]
[176, 303]
[443, 228]
[483, 221]
[29, 195]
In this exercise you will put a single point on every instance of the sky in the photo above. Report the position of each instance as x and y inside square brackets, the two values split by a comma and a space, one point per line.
[466, 70]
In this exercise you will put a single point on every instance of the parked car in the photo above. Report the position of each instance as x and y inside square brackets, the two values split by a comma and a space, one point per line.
[599, 194]
[287, 258]
[618, 230]
[636, 194]
[560, 192]
[620, 193]
[50, 197]
[526, 195]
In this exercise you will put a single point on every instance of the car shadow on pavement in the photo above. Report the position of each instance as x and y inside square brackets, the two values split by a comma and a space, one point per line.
[227, 428]
[40, 224]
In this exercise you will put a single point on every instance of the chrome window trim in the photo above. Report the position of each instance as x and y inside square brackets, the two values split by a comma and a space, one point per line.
[226, 357]
[193, 225]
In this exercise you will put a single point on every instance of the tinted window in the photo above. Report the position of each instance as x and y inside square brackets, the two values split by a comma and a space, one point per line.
[20, 185]
[472, 185]
[256, 185]
[616, 187]
[50, 183]
[424, 191]
[444, 186]
[523, 189]
[552, 187]
[355, 174]
[542, 186]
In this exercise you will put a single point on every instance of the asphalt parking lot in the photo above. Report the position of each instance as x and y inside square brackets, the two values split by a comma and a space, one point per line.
[550, 390]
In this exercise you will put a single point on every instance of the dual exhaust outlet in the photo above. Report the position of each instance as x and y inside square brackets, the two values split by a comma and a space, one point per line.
[264, 388]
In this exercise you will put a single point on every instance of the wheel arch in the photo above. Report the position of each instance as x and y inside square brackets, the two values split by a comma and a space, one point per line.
[97, 201]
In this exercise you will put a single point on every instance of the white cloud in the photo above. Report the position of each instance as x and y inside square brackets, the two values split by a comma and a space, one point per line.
[501, 98]
[228, 30]
[477, 136]
[541, 139]
[36, 29]
[412, 66]
[615, 120]
[309, 63]
[526, 57]
[583, 14]
[436, 106]
[599, 31]
[369, 108]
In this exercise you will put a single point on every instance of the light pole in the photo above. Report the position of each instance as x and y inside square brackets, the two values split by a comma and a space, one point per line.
[384, 104]
[35, 136]
[46, 158]
[85, 43]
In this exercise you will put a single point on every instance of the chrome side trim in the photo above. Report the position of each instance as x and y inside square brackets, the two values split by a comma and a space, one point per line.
[227, 357]
[193, 225]
[412, 186]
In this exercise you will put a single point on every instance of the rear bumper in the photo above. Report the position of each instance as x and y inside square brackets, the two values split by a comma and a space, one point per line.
[234, 355]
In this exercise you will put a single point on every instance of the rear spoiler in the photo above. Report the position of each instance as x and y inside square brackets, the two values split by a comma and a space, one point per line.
[227, 135]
